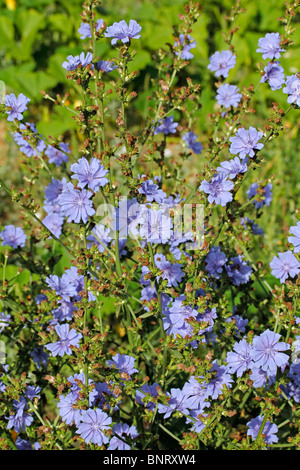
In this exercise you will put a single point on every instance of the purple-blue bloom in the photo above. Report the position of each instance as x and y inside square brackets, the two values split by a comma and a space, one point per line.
[21, 419]
[67, 411]
[284, 265]
[274, 74]
[73, 62]
[100, 237]
[265, 195]
[67, 337]
[188, 43]
[177, 402]
[215, 260]
[85, 29]
[5, 319]
[197, 394]
[89, 173]
[124, 363]
[238, 361]
[245, 142]
[292, 88]
[218, 189]
[233, 167]
[123, 32]
[221, 378]
[16, 105]
[39, 356]
[106, 65]
[147, 389]
[122, 430]
[76, 204]
[266, 352]
[295, 239]
[228, 95]
[92, 425]
[54, 223]
[58, 156]
[13, 236]
[167, 126]
[221, 63]
[191, 141]
[269, 430]
[269, 46]
[152, 191]
[25, 146]
[238, 271]
[176, 316]
[171, 272]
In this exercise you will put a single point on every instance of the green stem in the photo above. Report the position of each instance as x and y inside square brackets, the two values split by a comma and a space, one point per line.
[30, 212]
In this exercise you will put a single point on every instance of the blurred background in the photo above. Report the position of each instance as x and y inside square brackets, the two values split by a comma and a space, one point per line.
[36, 36]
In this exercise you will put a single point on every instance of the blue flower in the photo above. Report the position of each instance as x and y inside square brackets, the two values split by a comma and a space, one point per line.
[16, 105]
[122, 430]
[85, 29]
[92, 425]
[106, 65]
[146, 389]
[124, 364]
[295, 240]
[76, 204]
[218, 189]
[152, 191]
[58, 156]
[215, 260]
[67, 411]
[177, 402]
[91, 174]
[266, 352]
[188, 43]
[292, 88]
[167, 126]
[67, 337]
[256, 230]
[54, 223]
[72, 63]
[221, 378]
[100, 237]
[264, 195]
[176, 318]
[155, 225]
[123, 31]
[268, 432]
[26, 147]
[197, 394]
[238, 271]
[190, 139]
[221, 63]
[39, 356]
[238, 361]
[13, 236]
[269, 46]
[245, 142]
[233, 167]
[228, 95]
[284, 265]
[5, 319]
[171, 272]
[274, 74]
[21, 419]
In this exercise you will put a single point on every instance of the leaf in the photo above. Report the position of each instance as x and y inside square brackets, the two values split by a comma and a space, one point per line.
[2, 91]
